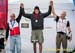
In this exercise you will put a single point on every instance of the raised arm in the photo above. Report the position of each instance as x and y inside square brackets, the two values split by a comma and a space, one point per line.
[53, 11]
[20, 14]
[49, 10]
[23, 12]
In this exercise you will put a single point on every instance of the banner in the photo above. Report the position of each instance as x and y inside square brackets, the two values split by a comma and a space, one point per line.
[3, 13]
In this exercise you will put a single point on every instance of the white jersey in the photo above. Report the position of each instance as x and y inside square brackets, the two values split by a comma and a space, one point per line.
[15, 24]
[61, 25]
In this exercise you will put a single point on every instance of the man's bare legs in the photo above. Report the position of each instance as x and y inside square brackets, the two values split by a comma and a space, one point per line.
[40, 47]
[34, 47]
[0, 50]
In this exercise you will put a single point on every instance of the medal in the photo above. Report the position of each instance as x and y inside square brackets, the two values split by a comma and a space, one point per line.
[36, 20]
[12, 23]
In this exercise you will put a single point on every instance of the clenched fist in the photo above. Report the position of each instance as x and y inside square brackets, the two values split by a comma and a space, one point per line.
[22, 5]
[51, 3]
